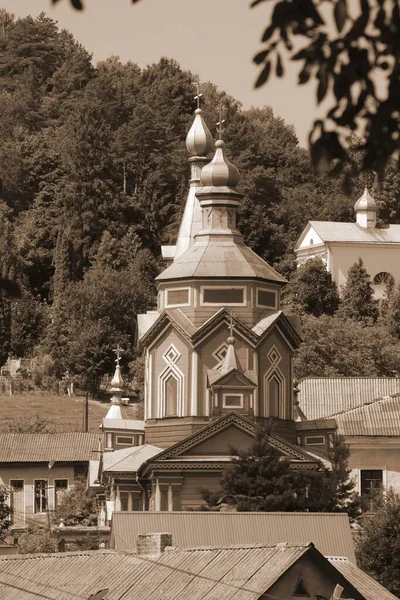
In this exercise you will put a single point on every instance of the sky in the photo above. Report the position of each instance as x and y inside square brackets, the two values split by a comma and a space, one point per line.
[215, 39]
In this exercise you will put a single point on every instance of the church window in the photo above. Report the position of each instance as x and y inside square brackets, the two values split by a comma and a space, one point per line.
[318, 440]
[232, 401]
[223, 296]
[274, 387]
[124, 440]
[178, 297]
[171, 396]
[266, 298]
[274, 396]
[383, 279]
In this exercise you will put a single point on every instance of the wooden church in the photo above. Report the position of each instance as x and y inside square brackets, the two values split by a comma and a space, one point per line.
[218, 357]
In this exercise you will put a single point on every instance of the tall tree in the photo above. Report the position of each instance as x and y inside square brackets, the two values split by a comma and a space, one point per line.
[358, 296]
[312, 290]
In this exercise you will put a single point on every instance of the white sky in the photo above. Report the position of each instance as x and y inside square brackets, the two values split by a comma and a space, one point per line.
[214, 38]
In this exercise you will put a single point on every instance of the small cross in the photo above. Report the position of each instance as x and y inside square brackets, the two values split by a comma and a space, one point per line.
[198, 95]
[118, 351]
[231, 326]
[220, 122]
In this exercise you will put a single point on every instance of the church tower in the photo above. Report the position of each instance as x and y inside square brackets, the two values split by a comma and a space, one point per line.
[219, 341]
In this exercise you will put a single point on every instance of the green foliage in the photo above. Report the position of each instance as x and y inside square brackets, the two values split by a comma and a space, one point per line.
[77, 506]
[378, 545]
[31, 424]
[312, 290]
[261, 479]
[4, 510]
[334, 346]
[36, 539]
[357, 295]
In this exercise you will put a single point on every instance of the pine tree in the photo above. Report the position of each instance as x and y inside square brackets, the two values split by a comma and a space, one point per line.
[390, 310]
[312, 290]
[357, 295]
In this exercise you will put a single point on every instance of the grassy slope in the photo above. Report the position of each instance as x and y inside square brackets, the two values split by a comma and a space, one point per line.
[66, 413]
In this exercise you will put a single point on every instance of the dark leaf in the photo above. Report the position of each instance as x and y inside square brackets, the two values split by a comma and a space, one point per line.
[340, 14]
[260, 57]
[279, 66]
[254, 3]
[77, 4]
[304, 53]
[305, 73]
[323, 82]
[268, 33]
[10, 287]
[263, 77]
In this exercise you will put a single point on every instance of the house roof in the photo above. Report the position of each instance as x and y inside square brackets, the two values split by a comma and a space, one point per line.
[46, 447]
[242, 572]
[128, 460]
[123, 424]
[330, 231]
[381, 417]
[326, 396]
[370, 588]
[330, 532]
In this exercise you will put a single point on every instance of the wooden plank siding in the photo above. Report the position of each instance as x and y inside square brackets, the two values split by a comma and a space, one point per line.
[191, 486]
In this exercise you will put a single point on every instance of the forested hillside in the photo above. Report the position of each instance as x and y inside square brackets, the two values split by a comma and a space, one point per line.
[94, 176]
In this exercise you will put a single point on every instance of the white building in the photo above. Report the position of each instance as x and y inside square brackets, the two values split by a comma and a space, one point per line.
[340, 245]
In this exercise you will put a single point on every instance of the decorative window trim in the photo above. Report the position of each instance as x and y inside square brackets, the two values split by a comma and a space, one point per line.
[311, 437]
[225, 405]
[275, 372]
[170, 360]
[383, 278]
[125, 437]
[258, 305]
[178, 289]
[171, 369]
[223, 287]
[217, 356]
[46, 496]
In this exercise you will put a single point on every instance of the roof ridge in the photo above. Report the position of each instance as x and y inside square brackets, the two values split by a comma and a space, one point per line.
[367, 403]
[57, 554]
[249, 546]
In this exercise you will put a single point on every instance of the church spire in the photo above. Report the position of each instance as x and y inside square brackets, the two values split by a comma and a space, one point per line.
[231, 360]
[199, 143]
[117, 388]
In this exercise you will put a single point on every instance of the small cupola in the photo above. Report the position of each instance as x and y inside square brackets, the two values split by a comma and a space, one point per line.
[366, 209]
[199, 141]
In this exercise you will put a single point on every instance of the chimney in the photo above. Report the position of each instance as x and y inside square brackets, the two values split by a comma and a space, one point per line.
[153, 543]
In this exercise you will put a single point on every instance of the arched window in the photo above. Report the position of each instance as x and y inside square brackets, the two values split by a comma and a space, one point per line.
[274, 387]
[274, 396]
[383, 278]
[171, 396]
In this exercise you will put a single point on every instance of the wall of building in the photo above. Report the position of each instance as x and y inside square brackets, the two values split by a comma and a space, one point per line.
[316, 581]
[373, 453]
[191, 488]
[30, 473]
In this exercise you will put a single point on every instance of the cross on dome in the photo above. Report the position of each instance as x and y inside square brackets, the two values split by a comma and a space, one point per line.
[221, 121]
[199, 95]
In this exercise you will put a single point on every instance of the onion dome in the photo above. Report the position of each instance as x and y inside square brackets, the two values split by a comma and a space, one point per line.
[199, 140]
[219, 172]
[117, 382]
[365, 202]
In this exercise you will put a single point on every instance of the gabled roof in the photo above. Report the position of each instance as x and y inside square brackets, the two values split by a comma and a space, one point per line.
[295, 453]
[247, 379]
[330, 231]
[287, 323]
[330, 532]
[381, 417]
[46, 447]
[326, 396]
[123, 424]
[169, 316]
[243, 572]
[365, 584]
[128, 460]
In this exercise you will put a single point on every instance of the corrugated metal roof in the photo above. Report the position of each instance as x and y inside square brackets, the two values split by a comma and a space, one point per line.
[330, 231]
[326, 396]
[329, 532]
[128, 460]
[378, 418]
[44, 447]
[370, 588]
[201, 574]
